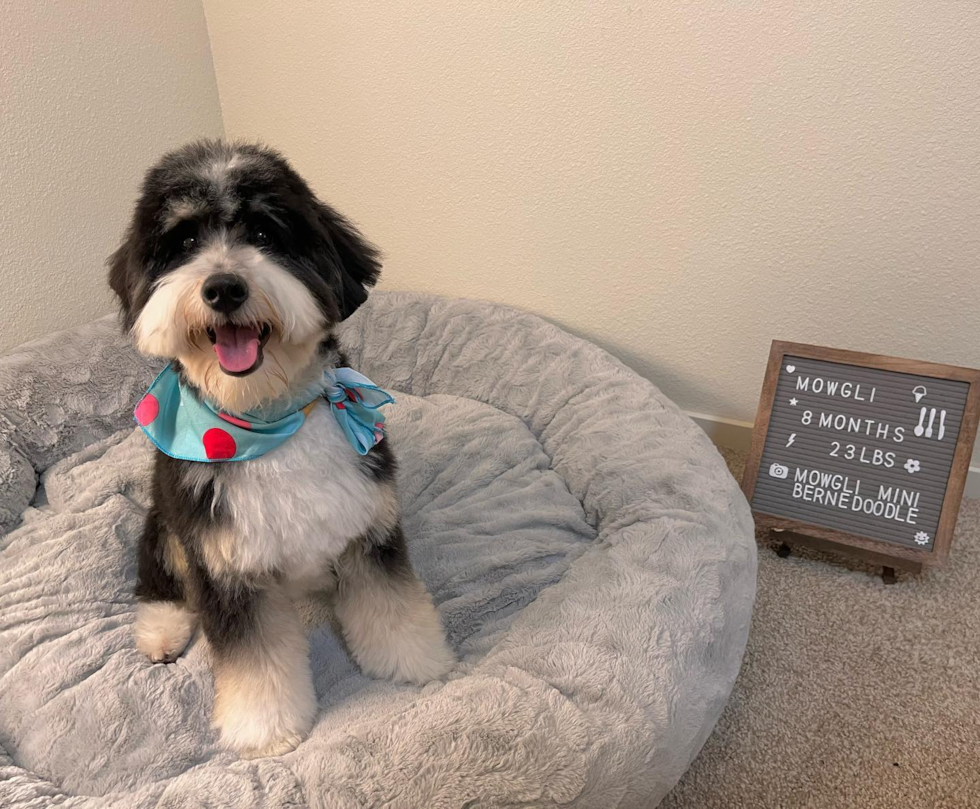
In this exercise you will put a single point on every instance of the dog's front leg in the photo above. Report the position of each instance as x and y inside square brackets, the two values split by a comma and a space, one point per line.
[388, 619]
[264, 698]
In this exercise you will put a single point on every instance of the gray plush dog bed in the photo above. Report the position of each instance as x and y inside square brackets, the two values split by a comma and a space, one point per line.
[589, 553]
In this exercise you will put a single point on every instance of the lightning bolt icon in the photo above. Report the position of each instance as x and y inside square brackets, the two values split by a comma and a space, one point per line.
[792, 438]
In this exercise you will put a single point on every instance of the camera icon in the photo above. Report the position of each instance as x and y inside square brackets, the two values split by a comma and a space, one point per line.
[777, 470]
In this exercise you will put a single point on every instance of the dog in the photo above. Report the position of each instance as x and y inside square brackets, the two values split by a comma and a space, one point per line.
[232, 269]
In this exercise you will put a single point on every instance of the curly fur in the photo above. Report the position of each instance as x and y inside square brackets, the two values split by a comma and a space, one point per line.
[232, 544]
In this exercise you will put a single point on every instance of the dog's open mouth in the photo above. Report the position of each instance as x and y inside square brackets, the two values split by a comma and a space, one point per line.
[239, 348]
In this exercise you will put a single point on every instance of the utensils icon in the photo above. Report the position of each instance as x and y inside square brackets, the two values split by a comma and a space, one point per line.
[923, 429]
[918, 392]
[919, 428]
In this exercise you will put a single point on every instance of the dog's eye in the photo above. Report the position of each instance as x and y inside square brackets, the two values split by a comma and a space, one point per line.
[262, 238]
[189, 244]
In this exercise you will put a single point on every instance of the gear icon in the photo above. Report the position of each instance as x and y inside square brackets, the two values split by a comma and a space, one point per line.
[922, 538]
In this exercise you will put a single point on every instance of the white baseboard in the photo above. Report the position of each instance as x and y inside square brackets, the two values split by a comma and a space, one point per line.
[726, 433]
[737, 435]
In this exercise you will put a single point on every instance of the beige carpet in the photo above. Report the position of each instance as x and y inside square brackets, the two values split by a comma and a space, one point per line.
[852, 693]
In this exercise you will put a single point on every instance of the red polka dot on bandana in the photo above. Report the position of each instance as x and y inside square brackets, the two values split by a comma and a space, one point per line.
[218, 445]
[147, 409]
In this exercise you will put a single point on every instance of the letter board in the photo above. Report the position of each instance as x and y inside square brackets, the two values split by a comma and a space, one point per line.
[863, 450]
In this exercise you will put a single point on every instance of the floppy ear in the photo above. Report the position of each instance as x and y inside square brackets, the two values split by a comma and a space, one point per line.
[359, 262]
[121, 277]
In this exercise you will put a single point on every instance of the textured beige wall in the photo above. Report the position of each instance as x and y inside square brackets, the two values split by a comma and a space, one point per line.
[680, 182]
[90, 93]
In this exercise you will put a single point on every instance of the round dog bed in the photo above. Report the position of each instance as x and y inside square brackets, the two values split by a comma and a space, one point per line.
[591, 557]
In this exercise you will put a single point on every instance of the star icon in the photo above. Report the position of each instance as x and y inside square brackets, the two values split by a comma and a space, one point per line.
[794, 401]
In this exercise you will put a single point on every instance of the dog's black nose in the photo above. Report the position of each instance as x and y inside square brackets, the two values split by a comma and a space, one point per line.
[224, 292]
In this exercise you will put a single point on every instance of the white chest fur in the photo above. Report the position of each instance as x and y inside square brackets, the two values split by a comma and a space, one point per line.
[295, 509]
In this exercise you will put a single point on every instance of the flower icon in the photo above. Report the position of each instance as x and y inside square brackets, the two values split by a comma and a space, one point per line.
[922, 538]
[912, 466]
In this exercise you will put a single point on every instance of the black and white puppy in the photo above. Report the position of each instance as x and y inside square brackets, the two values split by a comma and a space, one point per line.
[229, 244]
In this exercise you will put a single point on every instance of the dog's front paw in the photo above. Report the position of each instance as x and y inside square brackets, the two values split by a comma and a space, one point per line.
[257, 731]
[414, 651]
[163, 629]
[431, 660]
[277, 747]
[263, 713]
[391, 626]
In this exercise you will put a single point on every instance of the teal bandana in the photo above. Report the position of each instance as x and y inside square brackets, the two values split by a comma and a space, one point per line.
[184, 426]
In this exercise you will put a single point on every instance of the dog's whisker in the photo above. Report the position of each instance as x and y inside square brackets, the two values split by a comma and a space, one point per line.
[273, 316]
[285, 376]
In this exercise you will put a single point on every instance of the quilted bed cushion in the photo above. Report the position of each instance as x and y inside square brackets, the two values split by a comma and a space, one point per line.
[589, 553]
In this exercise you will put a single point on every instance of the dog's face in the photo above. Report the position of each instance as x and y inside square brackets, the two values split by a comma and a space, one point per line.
[234, 268]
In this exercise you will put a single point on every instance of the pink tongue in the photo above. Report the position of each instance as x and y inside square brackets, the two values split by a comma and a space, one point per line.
[237, 347]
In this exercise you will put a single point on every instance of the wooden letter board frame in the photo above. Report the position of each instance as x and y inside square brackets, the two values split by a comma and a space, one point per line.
[821, 538]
